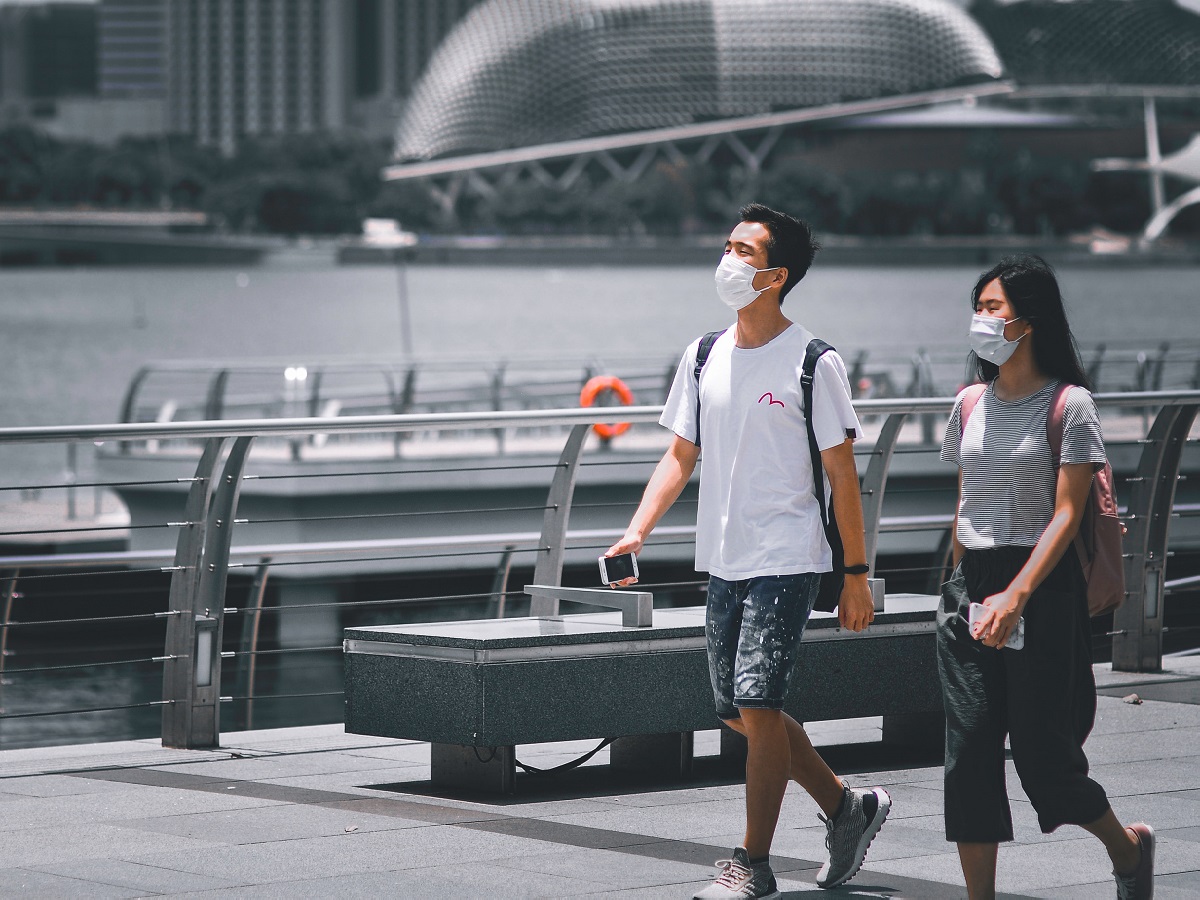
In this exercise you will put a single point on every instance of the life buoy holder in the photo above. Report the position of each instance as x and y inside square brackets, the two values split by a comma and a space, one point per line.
[593, 389]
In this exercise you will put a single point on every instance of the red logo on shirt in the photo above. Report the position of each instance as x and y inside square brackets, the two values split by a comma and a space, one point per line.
[771, 401]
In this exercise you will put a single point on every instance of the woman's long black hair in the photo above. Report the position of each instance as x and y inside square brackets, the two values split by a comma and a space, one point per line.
[1032, 290]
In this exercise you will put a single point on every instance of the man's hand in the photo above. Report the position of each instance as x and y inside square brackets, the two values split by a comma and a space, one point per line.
[630, 543]
[856, 607]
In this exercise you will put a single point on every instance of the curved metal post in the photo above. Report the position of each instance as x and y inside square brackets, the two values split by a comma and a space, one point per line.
[1137, 642]
[129, 404]
[551, 546]
[10, 594]
[209, 611]
[214, 401]
[178, 677]
[875, 482]
[314, 393]
[250, 623]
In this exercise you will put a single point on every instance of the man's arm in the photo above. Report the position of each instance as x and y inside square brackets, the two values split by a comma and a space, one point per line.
[664, 487]
[856, 609]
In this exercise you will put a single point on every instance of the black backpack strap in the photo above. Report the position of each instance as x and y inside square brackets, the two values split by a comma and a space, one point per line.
[702, 351]
[815, 350]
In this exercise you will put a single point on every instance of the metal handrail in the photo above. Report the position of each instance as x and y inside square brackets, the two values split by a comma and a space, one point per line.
[482, 420]
[204, 553]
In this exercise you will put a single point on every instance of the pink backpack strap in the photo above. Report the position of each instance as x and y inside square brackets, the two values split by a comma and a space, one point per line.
[1054, 420]
[971, 396]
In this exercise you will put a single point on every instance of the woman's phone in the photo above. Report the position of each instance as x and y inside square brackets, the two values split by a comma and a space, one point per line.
[617, 568]
[1015, 641]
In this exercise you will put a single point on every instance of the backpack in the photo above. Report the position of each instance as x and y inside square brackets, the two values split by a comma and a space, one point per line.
[1098, 541]
[831, 582]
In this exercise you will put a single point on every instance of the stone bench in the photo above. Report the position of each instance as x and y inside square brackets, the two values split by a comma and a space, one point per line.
[476, 689]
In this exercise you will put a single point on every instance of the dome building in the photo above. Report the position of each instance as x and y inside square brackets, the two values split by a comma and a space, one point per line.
[1148, 42]
[516, 73]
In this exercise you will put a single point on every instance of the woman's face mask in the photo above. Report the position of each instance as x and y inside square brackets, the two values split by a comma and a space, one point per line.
[735, 282]
[986, 337]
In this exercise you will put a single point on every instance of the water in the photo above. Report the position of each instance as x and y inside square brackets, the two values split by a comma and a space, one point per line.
[73, 338]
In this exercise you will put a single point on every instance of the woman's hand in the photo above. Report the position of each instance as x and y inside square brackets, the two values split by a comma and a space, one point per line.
[1001, 612]
[630, 543]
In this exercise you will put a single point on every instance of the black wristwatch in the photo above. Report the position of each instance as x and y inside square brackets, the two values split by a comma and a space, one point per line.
[860, 569]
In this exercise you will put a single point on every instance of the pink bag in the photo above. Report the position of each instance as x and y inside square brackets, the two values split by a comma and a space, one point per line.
[1098, 541]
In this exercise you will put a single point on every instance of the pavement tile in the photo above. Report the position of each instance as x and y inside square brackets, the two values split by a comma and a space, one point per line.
[356, 781]
[558, 832]
[265, 768]
[403, 808]
[310, 858]
[473, 880]
[677, 797]
[651, 892]
[53, 786]
[621, 870]
[33, 813]
[32, 883]
[135, 877]
[1125, 779]
[42, 846]
[1190, 833]
[693, 821]
[893, 842]
[275, 823]
[1135, 745]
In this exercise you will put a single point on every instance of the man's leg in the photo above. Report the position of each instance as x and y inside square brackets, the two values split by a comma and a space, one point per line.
[768, 761]
[806, 767]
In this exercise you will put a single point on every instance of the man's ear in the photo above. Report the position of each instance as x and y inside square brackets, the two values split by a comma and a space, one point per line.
[781, 276]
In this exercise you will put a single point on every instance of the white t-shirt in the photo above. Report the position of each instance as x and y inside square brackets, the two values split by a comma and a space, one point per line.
[758, 514]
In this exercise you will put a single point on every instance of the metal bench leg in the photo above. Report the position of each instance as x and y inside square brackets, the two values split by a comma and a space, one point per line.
[733, 747]
[658, 755]
[924, 730]
[490, 769]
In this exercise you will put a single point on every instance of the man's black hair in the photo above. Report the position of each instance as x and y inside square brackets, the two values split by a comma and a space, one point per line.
[790, 242]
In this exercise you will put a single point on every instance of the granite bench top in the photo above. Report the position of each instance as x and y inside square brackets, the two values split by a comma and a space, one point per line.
[903, 613]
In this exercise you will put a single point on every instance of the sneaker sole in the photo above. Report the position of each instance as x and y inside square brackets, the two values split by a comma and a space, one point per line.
[881, 814]
[776, 895]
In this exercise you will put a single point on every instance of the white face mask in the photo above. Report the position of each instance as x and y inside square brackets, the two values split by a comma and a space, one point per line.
[987, 339]
[735, 282]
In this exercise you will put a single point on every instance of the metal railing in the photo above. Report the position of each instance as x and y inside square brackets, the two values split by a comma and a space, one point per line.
[198, 567]
[182, 390]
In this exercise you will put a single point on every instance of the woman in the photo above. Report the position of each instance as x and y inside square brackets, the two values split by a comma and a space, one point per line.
[1017, 515]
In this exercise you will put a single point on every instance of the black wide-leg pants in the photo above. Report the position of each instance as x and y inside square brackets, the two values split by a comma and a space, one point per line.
[1042, 696]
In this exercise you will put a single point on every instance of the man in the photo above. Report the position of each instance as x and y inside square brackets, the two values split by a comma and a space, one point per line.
[760, 537]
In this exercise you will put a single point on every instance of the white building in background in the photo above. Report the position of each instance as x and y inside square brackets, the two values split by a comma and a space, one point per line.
[239, 68]
[217, 70]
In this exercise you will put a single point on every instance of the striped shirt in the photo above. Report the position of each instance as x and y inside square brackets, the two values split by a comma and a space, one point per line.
[1008, 475]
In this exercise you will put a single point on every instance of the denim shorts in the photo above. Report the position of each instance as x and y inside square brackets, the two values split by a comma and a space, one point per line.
[754, 629]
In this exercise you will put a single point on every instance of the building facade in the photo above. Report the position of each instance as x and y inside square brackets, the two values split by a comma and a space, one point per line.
[242, 68]
[131, 49]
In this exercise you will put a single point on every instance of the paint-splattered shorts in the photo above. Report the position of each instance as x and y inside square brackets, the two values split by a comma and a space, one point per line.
[754, 629]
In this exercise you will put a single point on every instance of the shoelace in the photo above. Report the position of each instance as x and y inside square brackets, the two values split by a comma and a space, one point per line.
[828, 830]
[733, 874]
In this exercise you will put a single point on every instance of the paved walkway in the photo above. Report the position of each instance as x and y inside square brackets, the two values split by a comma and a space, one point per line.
[314, 812]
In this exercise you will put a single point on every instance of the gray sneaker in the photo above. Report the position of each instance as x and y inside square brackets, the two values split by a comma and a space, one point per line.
[849, 836]
[741, 881]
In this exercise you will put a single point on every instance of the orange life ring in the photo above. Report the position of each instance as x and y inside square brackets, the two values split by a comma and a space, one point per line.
[597, 386]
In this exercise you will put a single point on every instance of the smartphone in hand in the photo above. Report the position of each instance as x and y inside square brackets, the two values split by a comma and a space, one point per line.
[617, 568]
[1015, 641]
